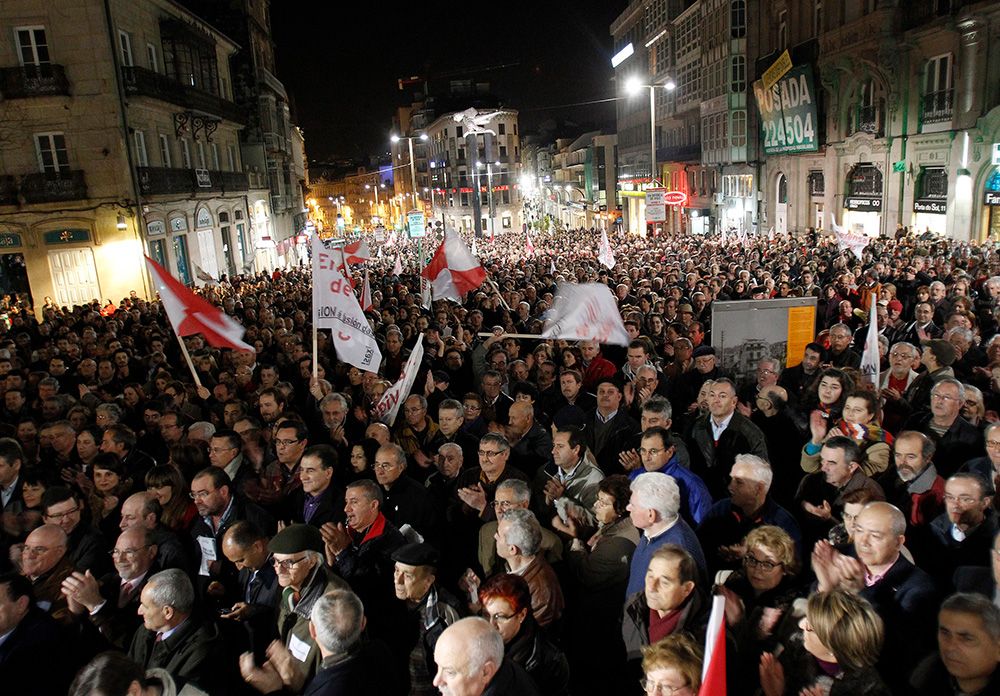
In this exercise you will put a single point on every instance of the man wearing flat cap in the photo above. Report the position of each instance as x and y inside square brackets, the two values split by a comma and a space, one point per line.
[297, 552]
[683, 392]
[431, 610]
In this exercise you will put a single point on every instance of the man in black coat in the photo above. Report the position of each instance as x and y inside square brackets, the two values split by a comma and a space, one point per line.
[609, 428]
[319, 499]
[405, 500]
[956, 440]
[245, 546]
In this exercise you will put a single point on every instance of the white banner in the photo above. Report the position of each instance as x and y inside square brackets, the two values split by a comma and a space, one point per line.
[656, 207]
[586, 312]
[849, 240]
[870, 357]
[335, 307]
[387, 409]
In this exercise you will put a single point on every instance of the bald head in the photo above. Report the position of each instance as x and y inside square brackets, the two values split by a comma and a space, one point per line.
[140, 510]
[378, 432]
[43, 549]
[521, 417]
[468, 655]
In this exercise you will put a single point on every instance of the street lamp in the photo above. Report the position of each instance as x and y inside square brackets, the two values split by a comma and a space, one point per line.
[632, 86]
[376, 187]
[409, 144]
[489, 184]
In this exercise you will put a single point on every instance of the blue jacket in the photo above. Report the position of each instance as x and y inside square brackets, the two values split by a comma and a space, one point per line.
[696, 501]
[681, 535]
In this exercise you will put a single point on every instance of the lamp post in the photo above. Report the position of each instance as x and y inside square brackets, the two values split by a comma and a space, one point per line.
[632, 86]
[489, 192]
[376, 187]
[409, 144]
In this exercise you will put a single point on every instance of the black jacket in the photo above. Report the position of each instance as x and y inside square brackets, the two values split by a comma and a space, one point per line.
[511, 680]
[713, 461]
[960, 443]
[35, 639]
[193, 654]
[618, 437]
[361, 672]
[544, 662]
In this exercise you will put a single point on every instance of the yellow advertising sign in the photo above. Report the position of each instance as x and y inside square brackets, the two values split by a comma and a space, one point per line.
[801, 329]
[777, 70]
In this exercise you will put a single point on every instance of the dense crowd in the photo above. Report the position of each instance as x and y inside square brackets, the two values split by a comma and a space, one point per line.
[543, 516]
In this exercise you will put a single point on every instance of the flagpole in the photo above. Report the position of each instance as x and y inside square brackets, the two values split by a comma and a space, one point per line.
[486, 334]
[315, 352]
[187, 359]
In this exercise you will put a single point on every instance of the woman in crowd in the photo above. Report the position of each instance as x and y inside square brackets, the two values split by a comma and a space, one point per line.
[827, 395]
[189, 457]
[672, 666]
[111, 486]
[362, 460]
[834, 654]
[167, 484]
[860, 422]
[506, 602]
[134, 402]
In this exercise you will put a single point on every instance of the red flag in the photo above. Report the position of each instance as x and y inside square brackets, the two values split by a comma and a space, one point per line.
[453, 270]
[357, 252]
[713, 673]
[529, 248]
[190, 314]
[366, 294]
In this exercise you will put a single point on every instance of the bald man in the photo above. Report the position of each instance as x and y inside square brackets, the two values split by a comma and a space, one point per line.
[142, 510]
[470, 661]
[45, 563]
[530, 443]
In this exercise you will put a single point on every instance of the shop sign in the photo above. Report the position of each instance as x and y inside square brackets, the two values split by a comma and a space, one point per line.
[996, 153]
[863, 204]
[67, 236]
[937, 207]
[415, 223]
[9, 240]
[675, 198]
[992, 198]
[788, 112]
[156, 228]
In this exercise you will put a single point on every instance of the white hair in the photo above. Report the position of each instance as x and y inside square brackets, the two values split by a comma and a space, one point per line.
[172, 588]
[337, 617]
[485, 645]
[523, 531]
[655, 490]
[202, 430]
[760, 470]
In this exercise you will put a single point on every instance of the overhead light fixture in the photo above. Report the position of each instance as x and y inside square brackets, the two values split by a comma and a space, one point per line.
[622, 55]
[121, 222]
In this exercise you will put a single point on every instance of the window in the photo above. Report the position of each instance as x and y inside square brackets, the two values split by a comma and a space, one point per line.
[817, 17]
[739, 130]
[817, 183]
[125, 44]
[783, 30]
[502, 129]
[458, 131]
[938, 89]
[52, 155]
[185, 153]
[738, 19]
[201, 154]
[933, 183]
[141, 157]
[151, 56]
[33, 49]
[503, 150]
[232, 158]
[739, 74]
[215, 157]
[165, 151]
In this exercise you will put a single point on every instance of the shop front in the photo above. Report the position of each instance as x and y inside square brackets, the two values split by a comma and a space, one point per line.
[863, 202]
[930, 204]
[991, 207]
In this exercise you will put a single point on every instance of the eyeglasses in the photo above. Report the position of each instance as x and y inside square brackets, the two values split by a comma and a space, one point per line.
[200, 495]
[383, 466]
[127, 554]
[60, 515]
[752, 561]
[993, 444]
[286, 443]
[500, 618]
[943, 397]
[288, 564]
[489, 454]
[656, 687]
[651, 452]
[963, 499]
[503, 504]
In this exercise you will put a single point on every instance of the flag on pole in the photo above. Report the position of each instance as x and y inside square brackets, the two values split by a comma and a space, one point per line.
[387, 409]
[357, 252]
[849, 240]
[770, 234]
[552, 265]
[397, 270]
[453, 270]
[190, 314]
[529, 248]
[606, 256]
[870, 358]
[713, 670]
[585, 312]
[336, 307]
[366, 294]
[474, 252]
[201, 274]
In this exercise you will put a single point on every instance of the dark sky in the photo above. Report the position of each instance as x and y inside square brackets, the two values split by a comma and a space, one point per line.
[341, 61]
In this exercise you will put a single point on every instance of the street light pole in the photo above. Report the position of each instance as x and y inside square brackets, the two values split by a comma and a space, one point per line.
[652, 135]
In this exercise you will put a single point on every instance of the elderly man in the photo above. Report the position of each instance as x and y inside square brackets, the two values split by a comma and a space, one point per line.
[748, 506]
[441, 484]
[451, 418]
[405, 501]
[956, 440]
[596, 368]
[902, 594]
[609, 428]
[720, 435]
[840, 354]
[968, 654]
[519, 543]
[339, 428]
[174, 639]
[477, 486]
[121, 440]
[963, 534]
[530, 443]
[768, 372]
[470, 662]
[297, 552]
[658, 453]
[894, 383]
[655, 511]
[914, 486]
[512, 494]
[142, 510]
[45, 562]
[431, 609]
[937, 356]
[419, 436]
[111, 603]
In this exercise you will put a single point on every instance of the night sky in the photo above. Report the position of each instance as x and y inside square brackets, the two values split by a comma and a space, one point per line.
[341, 61]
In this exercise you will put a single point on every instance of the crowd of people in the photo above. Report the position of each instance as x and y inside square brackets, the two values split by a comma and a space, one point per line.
[542, 516]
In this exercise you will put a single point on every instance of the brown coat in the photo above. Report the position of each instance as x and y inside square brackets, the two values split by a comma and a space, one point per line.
[547, 601]
[48, 591]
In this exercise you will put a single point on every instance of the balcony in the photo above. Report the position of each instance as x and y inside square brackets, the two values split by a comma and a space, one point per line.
[27, 81]
[54, 187]
[147, 83]
[679, 153]
[8, 190]
[936, 106]
[278, 203]
[154, 181]
[273, 142]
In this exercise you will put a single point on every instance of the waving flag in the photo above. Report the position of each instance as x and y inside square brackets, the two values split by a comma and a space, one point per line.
[387, 409]
[870, 358]
[529, 248]
[606, 256]
[366, 294]
[453, 270]
[585, 312]
[397, 270]
[713, 670]
[357, 252]
[190, 314]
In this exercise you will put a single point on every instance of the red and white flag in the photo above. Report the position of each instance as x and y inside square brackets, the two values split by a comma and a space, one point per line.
[190, 314]
[397, 270]
[388, 407]
[366, 294]
[606, 256]
[529, 248]
[453, 270]
[870, 357]
[357, 252]
[713, 670]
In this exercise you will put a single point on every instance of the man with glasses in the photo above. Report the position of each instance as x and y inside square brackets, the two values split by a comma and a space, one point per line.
[142, 511]
[405, 502]
[419, 436]
[477, 485]
[963, 534]
[173, 428]
[988, 466]
[894, 382]
[86, 548]
[218, 510]
[111, 604]
[281, 477]
[225, 451]
[512, 494]
[767, 375]
[658, 453]
[956, 440]
[45, 563]
[841, 355]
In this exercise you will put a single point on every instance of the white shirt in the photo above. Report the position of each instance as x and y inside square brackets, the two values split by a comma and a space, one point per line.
[718, 429]
[7, 493]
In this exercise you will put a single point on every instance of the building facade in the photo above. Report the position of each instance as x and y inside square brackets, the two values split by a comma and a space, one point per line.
[120, 138]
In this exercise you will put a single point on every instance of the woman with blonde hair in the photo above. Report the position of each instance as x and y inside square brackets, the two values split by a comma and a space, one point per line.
[672, 666]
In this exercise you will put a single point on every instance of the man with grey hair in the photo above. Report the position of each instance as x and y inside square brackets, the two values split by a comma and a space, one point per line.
[405, 501]
[201, 431]
[840, 354]
[748, 506]
[174, 639]
[968, 641]
[767, 374]
[512, 494]
[519, 543]
[655, 511]
[956, 439]
[470, 662]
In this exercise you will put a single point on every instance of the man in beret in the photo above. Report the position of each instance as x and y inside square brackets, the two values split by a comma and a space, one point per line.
[297, 552]
[683, 393]
[431, 609]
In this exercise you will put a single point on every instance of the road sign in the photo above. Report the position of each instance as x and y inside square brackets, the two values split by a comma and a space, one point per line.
[415, 223]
